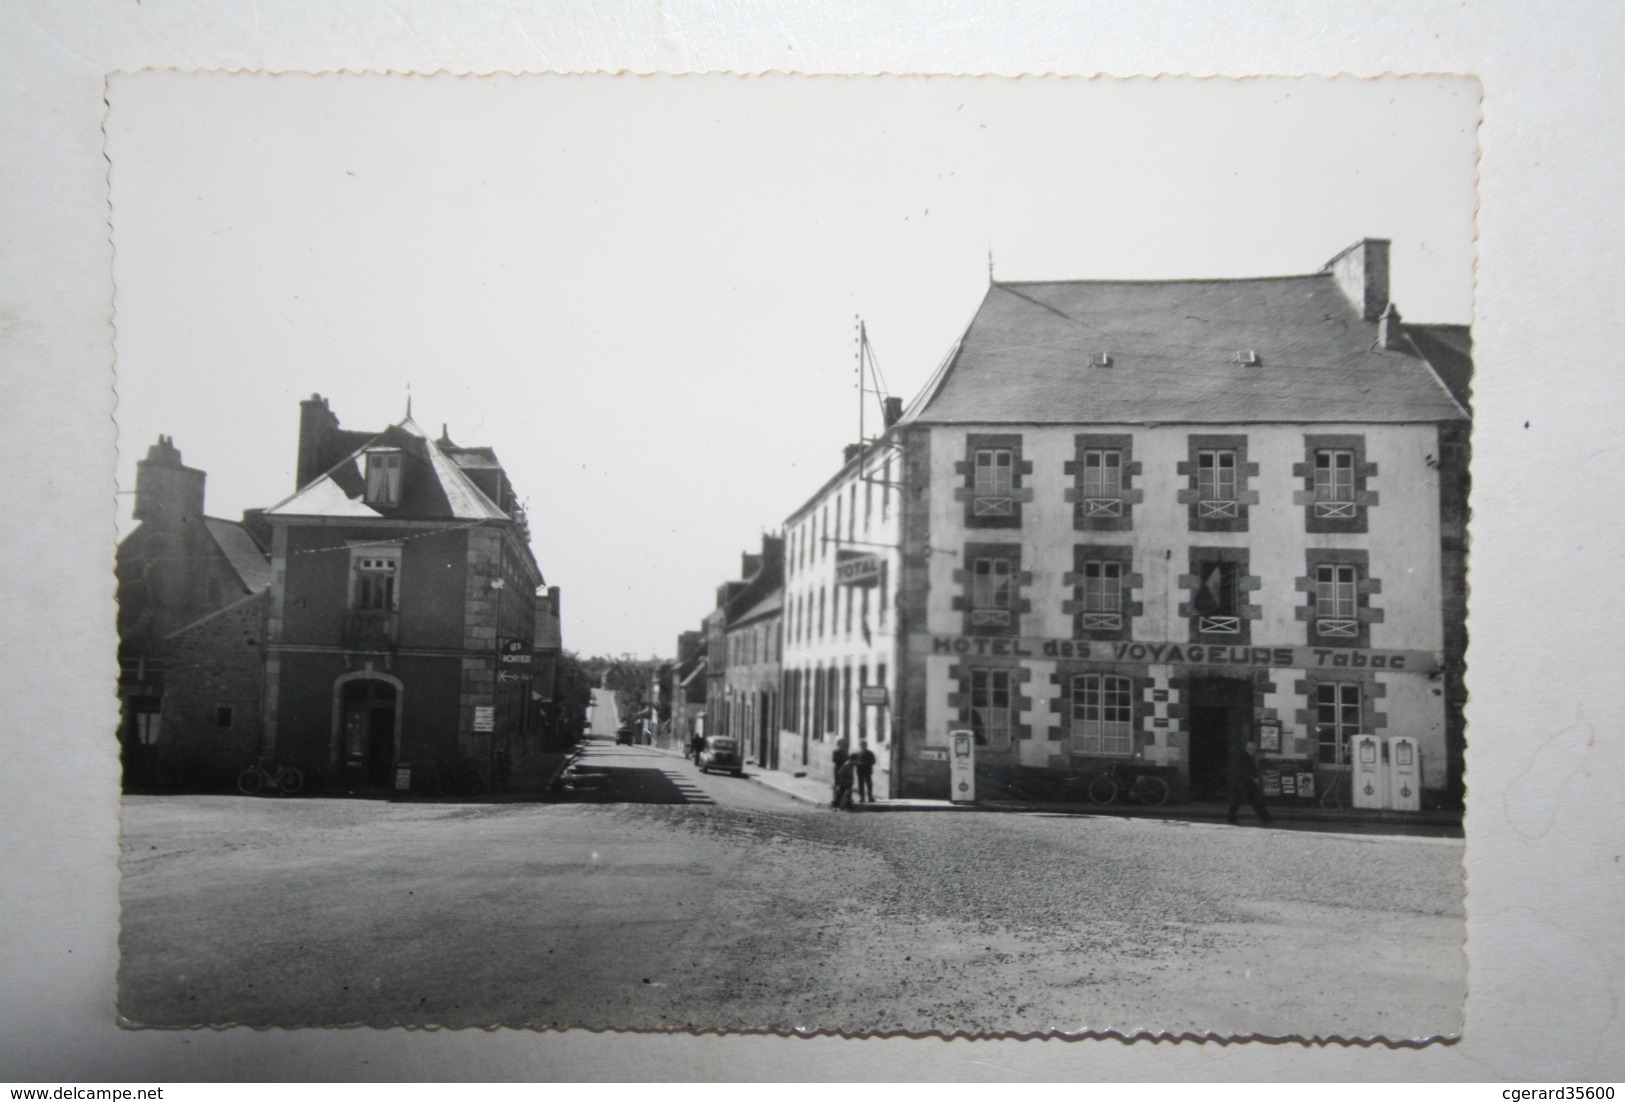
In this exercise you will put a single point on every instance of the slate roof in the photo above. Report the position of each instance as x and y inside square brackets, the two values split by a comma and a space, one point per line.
[433, 486]
[771, 604]
[1173, 345]
[246, 559]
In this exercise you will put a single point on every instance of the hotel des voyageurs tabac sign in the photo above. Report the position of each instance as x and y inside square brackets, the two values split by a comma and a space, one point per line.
[1179, 654]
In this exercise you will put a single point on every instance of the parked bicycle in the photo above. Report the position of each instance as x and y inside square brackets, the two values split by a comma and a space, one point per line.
[1135, 786]
[270, 778]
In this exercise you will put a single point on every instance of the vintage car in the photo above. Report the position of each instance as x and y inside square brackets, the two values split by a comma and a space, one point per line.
[722, 753]
[627, 735]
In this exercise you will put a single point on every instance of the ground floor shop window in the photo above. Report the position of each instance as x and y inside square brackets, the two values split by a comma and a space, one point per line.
[990, 711]
[1337, 720]
[1102, 714]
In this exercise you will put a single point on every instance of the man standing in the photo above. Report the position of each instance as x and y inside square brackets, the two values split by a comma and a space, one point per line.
[1246, 784]
[838, 759]
[695, 745]
[865, 759]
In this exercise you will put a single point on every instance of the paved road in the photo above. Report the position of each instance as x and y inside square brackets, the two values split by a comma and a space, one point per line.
[657, 898]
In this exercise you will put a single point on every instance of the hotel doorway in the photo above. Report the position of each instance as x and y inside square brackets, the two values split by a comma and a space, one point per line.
[1220, 714]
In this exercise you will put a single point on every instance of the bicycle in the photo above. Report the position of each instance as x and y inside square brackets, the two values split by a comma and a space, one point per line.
[1139, 788]
[272, 779]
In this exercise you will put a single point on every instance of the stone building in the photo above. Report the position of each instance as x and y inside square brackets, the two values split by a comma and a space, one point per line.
[403, 611]
[735, 697]
[1149, 520]
[190, 620]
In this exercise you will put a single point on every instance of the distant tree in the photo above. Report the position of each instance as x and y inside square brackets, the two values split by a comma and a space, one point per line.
[628, 677]
[572, 693]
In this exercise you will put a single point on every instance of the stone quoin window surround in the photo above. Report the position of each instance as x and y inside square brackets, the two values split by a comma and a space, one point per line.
[994, 474]
[1217, 475]
[989, 701]
[1338, 588]
[1103, 714]
[383, 476]
[1102, 493]
[1069, 704]
[1218, 610]
[1103, 588]
[1336, 706]
[1334, 473]
[992, 582]
[375, 577]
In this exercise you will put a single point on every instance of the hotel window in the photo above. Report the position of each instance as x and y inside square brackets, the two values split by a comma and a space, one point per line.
[1335, 494]
[1217, 600]
[1216, 494]
[991, 583]
[1102, 482]
[383, 477]
[1335, 601]
[1337, 720]
[1334, 484]
[990, 713]
[1216, 484]
[992, 489]
[1102, 714]
[1102, 593]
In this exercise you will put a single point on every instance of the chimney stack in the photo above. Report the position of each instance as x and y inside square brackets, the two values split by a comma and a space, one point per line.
[850, 452]
[893, 411]
[1361, 271]
[166, 490]
[317, 427]
[1390, 329]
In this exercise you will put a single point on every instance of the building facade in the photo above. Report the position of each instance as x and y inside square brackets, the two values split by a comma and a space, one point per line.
[752, 681]
[403, 610]
[1151, 520]
[191, 594]
[842, 564]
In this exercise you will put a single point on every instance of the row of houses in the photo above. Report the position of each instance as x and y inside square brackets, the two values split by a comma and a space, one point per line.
[389, 613]
[1124, 520]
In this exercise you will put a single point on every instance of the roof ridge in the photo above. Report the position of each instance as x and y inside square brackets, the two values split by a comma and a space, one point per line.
[1188, 279]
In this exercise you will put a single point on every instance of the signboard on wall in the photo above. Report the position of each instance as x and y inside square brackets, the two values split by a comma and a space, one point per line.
[872, 694]
[514, 654]
[859, 568]
[1182, 654]
[485, 717]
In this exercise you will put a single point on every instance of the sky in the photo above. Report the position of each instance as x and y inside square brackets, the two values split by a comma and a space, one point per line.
[643, 291]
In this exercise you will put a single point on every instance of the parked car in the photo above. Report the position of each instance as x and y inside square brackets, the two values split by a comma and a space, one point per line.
[722, 753]
[626, 735]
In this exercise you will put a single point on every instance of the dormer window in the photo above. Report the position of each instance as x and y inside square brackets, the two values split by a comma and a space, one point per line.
[384, 476]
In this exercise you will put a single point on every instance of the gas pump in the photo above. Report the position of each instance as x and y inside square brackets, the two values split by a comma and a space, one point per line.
[1369, 786]
[962, 768]
[1404, 774]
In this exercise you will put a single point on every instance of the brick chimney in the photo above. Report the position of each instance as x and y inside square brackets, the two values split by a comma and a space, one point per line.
[1361, 271]
[166, 490]
[1391, 329]
[318, 426]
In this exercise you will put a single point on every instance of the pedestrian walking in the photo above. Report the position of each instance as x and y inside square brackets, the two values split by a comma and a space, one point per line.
[1247, 784]
[865, 760]
[838, 759]
[695, 745]
[845, 776]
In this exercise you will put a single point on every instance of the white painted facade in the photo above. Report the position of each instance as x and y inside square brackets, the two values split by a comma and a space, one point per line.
[1400, 548]
[827, 655]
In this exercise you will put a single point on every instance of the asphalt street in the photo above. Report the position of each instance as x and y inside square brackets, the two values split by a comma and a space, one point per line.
[652, 897]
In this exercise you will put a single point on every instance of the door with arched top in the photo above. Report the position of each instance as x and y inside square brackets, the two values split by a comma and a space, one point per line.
[367, 722]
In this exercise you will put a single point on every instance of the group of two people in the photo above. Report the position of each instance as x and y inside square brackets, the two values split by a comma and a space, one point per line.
[853, 772]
